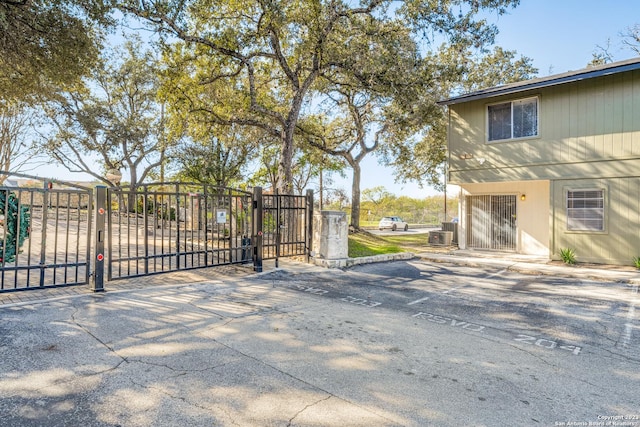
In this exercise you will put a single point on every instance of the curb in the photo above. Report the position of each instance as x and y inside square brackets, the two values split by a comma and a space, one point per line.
[350, 262]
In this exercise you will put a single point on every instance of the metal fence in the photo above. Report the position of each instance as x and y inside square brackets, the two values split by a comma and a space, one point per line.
[54, 233]
[284, 225]
[45, 235]
[157, 228]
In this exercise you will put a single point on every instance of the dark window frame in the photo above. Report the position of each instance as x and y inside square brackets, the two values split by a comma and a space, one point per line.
[511, 120]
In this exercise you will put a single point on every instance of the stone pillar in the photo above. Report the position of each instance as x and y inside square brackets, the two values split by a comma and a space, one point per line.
[330, 238]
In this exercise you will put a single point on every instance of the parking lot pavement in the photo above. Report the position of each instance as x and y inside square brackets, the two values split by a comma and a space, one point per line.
[396, 344]
[531, 264]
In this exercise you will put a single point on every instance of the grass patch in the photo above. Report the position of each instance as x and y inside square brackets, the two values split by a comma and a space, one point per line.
[409, 241]
[363, 244]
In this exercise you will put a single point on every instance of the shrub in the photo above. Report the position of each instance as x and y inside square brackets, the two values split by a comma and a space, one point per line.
[568, 255]
[636, 262]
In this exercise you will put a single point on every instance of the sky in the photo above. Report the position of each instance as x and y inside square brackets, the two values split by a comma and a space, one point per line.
[558, 35]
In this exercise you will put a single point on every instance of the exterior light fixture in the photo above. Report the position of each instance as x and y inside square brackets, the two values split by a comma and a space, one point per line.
[523, 197]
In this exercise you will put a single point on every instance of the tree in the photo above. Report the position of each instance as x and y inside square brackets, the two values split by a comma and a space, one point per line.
[371, 105]
[422, 158]
[45, 44]
[117, 117]
[377, 195]
[15, 151]
[216, 155]
[350, 137]
[263, 57]
[631, 38]
[306, 166]
[310, 164]
[494, 68]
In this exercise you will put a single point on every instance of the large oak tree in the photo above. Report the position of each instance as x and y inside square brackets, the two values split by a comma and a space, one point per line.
[117, 117]
[47, 44]
[264, 56]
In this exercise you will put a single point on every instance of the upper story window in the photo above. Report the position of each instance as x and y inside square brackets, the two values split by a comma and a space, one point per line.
[514, 119]
[585, 210]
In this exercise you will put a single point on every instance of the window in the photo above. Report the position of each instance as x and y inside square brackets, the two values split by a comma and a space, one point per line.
[516, 119]
[585, 210]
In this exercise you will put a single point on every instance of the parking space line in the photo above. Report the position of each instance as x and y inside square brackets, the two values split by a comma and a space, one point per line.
[498, 273]
[418, 300]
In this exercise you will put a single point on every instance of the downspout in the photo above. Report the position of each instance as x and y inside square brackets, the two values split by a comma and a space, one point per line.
[446, 165]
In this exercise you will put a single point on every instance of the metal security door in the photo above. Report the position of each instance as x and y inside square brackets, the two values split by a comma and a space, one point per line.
[491, 222]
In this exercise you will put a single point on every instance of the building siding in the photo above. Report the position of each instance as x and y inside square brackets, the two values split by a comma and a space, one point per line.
[586, 121]
[620, 242]
[589, 137]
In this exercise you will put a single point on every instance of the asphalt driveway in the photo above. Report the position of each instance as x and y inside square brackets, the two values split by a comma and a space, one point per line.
[395, 344]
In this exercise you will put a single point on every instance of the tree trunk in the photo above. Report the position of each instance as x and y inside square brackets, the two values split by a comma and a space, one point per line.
[355, 196]
[285, 177]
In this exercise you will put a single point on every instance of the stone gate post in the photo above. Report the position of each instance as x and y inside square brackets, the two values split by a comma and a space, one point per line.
[330, 238]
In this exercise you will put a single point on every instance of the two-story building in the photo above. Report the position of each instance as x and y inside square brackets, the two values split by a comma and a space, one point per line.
[551, 163]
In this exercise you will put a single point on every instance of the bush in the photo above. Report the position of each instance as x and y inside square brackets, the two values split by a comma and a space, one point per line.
[636, 262]
[568, 255]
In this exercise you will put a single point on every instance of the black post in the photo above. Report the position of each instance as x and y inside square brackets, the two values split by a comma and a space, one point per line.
[177, 219]
[279, 225]
[309, 230]
[257, 229]
[97, 284]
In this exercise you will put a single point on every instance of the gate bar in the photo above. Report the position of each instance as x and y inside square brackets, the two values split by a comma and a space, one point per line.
[257, 229]
[97, 284]
[309, 232]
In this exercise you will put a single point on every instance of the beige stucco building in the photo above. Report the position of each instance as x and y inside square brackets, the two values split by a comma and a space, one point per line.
[551, 163]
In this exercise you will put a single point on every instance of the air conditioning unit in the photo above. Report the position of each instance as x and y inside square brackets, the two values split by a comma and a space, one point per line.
[451, 226]
[440, 238]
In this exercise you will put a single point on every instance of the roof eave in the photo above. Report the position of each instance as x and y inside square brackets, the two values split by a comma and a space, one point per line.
[558, 79]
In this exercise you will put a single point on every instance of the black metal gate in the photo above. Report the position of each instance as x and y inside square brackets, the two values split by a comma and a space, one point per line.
[284, 226]
[45, 233]
[54, 233]
[164, 227]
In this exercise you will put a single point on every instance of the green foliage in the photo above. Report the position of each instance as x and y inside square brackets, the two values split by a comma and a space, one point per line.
[167, 212]
[636, 262]
[157, 210]
[568, 256]
[269, 222]
[16, 223]
[48, 44]
[116, 117]
[260, 64]
[215, 155]
[16, 121]
[452, 70]
[378, 202]
[497, 67]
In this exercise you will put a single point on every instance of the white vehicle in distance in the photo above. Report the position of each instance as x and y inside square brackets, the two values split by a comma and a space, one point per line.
[394, 223]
